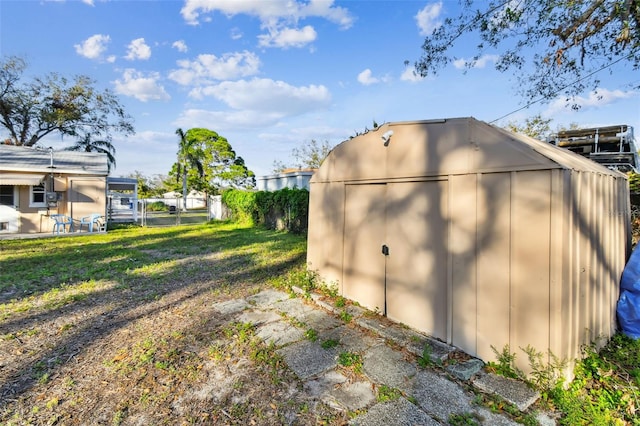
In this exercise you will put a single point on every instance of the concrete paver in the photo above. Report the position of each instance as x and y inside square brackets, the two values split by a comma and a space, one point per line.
[267, 298]
[440, 397]
[308, 359]
[230, 307]
[259, 317]
[514, 391]
[351, 395]
[429, 398]
[385, 365]
[400, 412]
[351, 339]
[279, 333]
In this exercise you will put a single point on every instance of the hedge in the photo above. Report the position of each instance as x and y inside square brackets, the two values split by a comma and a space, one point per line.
[286, 209]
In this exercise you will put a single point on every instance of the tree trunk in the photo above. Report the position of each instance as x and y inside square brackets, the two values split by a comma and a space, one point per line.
[184, 191]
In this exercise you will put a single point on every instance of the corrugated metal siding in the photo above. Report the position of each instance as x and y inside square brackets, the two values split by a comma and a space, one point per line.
[479, 259]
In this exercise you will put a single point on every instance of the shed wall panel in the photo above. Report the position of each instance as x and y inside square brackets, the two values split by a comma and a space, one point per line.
[463, 223]
[494, 263]
[531, 210]
[325, 242]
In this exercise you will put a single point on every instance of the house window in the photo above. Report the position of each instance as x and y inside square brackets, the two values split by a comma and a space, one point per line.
[6, 195]
[37, 198]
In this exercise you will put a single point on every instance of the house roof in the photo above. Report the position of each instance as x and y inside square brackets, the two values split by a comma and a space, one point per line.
[33, 160]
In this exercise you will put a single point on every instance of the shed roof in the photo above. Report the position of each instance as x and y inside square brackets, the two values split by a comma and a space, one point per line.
[32, 160]
[444, 147]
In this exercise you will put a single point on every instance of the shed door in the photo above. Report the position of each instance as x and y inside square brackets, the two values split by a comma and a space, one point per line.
[364, 234]
[408, 285]
[416, 269]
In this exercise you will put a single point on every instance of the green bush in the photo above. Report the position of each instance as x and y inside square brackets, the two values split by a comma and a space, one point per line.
[634, 182]
[242, 205]
[157, 206]
[284, 209]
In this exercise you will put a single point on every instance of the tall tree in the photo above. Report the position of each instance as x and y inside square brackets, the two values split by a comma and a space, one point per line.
[87, 144]
[553, 46]
[220, 166]
[189, 159]
[31, 110]
[535, 127]
[309, 156]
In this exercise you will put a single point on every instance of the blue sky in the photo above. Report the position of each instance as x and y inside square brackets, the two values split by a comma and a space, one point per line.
[271, 75]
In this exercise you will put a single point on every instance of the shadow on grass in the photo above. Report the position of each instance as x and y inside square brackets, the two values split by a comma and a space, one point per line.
[143, 269]
[32, 267]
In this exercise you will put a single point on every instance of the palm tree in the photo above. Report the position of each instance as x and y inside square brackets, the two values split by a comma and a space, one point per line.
[101, 146]
[188, 158]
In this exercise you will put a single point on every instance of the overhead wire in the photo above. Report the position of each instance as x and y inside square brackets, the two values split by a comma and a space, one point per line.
[563, 88]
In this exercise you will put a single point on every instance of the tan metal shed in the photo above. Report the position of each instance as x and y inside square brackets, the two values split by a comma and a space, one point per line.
[492, 238]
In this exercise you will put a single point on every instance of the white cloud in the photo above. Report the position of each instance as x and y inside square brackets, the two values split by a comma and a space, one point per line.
[180, 45]
[267, 96]
[428, 18]
[288, 37]
[93, 47]
[89, 2]
[481, 62]
[210, 67]
[279, 18]
[596, 99]
[226, 120]
[141, 87]
[269, 12]
[138, 49]
[366, 78]
[236, 34]
[409, 74]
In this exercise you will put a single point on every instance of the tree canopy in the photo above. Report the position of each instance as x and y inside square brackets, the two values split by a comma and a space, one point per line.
[554, 47]
[309, 156]
[33, 109]
[87, 144]
[211, 163]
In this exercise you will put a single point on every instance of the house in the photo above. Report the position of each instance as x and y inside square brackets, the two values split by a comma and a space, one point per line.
[289, 178]
[36, 183]
[474, 235]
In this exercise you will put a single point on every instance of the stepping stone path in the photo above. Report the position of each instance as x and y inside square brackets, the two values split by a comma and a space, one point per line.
[423, 396]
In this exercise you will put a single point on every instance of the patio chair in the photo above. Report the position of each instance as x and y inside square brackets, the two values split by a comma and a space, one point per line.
[61, 221]
[90, 221]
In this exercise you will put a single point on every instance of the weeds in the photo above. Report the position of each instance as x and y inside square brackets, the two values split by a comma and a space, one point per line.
[505, 365]
[425, 360]
[465, 419]
[311, 335]
[345, 316]
[351, 360]
[602, 392]
[329, 343]
[386, 393]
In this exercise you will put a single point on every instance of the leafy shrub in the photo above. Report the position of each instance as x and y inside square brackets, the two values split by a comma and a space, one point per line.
[157, 206]
[284, 209]
[242, 205]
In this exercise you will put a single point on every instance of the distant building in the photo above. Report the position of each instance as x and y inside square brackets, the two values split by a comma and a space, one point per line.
[289, 178]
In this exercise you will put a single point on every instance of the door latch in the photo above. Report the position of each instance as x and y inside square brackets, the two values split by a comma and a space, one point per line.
[385, 250]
